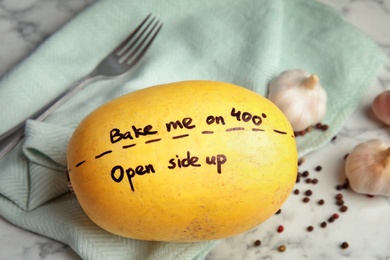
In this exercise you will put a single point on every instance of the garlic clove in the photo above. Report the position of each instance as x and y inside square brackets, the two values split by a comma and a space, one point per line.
[381, 107]
[367, 168]
[300, 97]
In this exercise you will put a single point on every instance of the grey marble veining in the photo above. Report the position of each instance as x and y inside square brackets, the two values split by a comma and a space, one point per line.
[25, 24]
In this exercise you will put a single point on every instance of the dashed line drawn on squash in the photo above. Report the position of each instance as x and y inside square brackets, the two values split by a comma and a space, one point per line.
[235, 129]
[102, 154]
[80, 163]
[207, 132]
[257, 129]
[153, 140]
[180, 136]
[128, 146]
[280, 132]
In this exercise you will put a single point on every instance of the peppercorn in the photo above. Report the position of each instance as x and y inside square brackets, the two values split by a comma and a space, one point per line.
[321, 202]
[314, 181]
[300, 161]
[296, 191]
[318, 168]
[310, 228]
[339, 196]
[257, 243]
[302, 133]
[308, 180]
[306, 199]
[305, 174]
[344, 245]
[323, 224]
[308, 193]
[280, 229]
[343, 208]
[345, 185]
[335, 216]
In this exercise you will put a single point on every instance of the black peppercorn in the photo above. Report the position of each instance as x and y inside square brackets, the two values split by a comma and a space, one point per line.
[300, 161]
[344, 245]
[257, 243]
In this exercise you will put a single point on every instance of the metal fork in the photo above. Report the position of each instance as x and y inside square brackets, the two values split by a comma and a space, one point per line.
[117, 63]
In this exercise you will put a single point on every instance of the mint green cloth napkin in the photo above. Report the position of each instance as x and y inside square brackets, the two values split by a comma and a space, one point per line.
[244, 42]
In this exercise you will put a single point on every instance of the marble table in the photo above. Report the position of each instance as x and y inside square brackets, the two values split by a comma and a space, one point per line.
[364, 226]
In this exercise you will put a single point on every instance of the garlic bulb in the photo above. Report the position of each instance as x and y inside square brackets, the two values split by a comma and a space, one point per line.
[368, 168]
[381, 107]
[300, 97]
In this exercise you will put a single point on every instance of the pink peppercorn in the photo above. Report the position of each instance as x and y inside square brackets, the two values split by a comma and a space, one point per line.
[280, 229]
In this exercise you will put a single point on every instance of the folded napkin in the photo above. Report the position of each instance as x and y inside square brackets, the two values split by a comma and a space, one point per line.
[244, 42]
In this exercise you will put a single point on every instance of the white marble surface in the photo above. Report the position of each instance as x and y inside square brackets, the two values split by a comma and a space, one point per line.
[24, 24]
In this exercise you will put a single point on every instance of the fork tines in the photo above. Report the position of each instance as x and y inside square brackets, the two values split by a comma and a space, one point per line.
[138, 42]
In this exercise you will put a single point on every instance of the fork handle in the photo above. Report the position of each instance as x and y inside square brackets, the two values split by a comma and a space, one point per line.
[10, 139]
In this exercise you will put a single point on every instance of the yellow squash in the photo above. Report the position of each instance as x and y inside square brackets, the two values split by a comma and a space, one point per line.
[186, 161]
